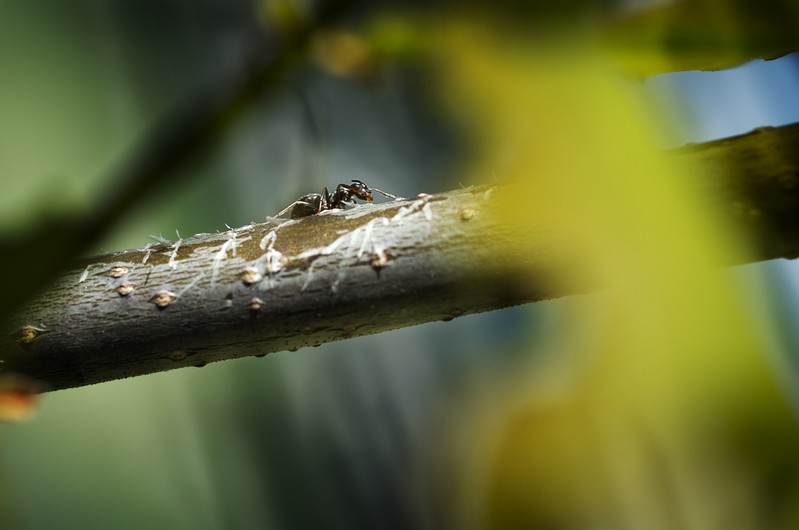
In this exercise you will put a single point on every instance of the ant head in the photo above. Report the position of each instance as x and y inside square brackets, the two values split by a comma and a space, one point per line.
[361, 190]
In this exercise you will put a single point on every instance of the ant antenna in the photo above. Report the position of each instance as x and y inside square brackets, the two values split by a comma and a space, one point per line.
[388, 195]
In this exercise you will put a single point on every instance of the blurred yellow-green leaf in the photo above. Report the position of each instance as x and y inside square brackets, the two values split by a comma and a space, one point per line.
[654, 371]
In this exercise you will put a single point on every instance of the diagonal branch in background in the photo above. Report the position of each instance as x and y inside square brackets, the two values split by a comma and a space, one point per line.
[177, 138]
[286, 284]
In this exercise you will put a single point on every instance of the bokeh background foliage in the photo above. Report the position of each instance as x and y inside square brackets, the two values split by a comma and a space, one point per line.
[663, 401]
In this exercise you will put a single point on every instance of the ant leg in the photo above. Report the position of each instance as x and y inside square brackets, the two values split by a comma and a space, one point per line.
[287, 209]
[291, 206]
[325, 201]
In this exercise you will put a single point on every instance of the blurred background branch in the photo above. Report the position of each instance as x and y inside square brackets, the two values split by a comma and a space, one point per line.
[178, 136]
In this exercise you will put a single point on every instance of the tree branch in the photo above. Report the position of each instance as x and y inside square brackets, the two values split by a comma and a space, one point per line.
[755, 179]
[286, 284]
[262, 288]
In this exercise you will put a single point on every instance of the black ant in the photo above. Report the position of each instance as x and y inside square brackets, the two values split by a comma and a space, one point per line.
[313, 203]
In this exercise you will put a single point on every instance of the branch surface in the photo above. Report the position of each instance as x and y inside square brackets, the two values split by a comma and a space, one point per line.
[279, 285]
[287, 284]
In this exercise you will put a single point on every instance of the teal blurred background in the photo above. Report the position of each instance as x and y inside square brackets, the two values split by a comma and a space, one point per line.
[350, 435]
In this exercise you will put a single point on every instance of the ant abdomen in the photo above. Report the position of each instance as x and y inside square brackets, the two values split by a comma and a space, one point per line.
[305, 206]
